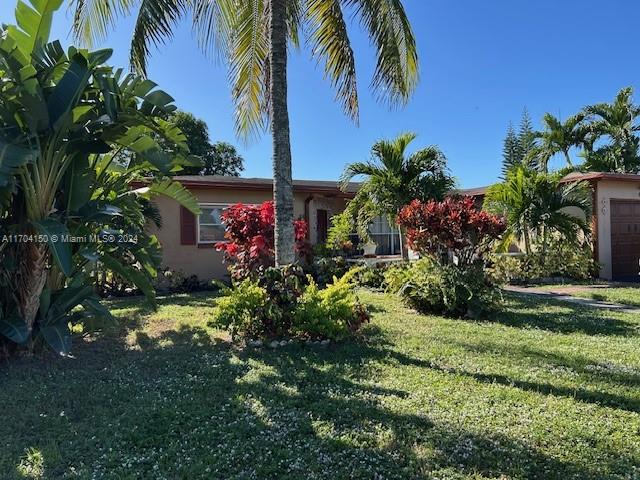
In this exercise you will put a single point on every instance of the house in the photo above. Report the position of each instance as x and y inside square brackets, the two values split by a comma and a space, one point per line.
[615, 222]
[188, 242]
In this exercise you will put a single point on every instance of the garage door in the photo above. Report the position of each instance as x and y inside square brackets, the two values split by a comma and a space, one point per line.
[625, 239]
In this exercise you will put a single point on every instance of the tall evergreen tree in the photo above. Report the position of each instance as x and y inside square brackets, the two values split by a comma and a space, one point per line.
[518, 146]
[526, 136]
[510, 150]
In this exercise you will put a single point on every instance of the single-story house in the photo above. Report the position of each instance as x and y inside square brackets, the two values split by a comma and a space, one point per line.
[188, 242]
[615, 222]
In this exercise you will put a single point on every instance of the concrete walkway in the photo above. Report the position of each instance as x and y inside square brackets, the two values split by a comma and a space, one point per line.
[541, 292]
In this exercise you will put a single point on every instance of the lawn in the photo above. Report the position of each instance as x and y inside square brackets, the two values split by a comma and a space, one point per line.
[543, 390]
[625, 294]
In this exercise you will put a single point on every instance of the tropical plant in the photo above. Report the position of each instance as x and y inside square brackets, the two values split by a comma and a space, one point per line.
[393, 179]
[539, 204]
[249, 238]
[432, 287]
[558, 137]
[617, 125]
[454, 226]
[74, 136]
[253, 37]
[285, 303]
[218, 158]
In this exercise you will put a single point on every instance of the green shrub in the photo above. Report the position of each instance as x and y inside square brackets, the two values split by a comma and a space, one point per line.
[241, 310]
[324, 269]
[371, 276]
[429, 286]
[334, 312]
[562, 259]
[286, 303]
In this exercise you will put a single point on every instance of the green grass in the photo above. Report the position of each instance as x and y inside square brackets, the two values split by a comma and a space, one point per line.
[544, 390]
[627, 295]
[624, 295]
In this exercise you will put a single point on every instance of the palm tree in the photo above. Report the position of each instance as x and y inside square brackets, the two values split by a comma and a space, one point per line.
[253, 37]
[538, 203]
[618, 121]
[558, 137]
[393, 179]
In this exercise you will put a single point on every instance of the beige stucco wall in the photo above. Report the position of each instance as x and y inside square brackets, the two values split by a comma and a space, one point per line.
[203, 260]
[608, 190]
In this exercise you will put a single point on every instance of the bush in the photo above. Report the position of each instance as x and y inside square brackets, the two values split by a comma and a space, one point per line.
[431, 287]
[371, 276]
[564, 260]
[453, 226]
[176, 281]
[285, 303]
[324, 269]
[249, 239]
[241, 309]
[334, 312]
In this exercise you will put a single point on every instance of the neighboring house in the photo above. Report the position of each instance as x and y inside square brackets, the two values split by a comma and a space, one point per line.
[188, 242]
[615, 222]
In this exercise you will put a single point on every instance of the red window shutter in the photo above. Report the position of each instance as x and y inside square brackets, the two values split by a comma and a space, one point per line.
[187, 227]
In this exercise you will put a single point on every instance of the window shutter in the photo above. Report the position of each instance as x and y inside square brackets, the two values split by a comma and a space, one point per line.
[187, 227]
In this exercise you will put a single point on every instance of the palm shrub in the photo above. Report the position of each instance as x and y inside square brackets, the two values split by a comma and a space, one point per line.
[75, 135]
[392, 178]
[538, 205]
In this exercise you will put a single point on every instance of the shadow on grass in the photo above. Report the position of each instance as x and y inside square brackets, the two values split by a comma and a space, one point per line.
[524, 311]
[313, 411]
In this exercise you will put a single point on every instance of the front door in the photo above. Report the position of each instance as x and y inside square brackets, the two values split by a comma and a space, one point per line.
[625, 239]
[322, 225]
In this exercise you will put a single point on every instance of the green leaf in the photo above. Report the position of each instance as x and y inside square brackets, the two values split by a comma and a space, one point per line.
[79, 182]
[135, 276]
[13, 157]
[14, 328]
[66, 93]
[33, 24]
[174, 190]
[96, 308]
[67, 299]
[61, 250]
[58, 337]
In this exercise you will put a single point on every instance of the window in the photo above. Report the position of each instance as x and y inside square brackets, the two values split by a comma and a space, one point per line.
[210, 227]
[385, 235]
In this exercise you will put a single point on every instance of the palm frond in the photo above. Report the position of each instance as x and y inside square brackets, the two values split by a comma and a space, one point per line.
[155, 24]
[93, 19]
[396, 74]
[249, 67]
[330, 42]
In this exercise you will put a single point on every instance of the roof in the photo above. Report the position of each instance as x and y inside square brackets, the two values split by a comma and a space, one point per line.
[572, 177]
[241, 183]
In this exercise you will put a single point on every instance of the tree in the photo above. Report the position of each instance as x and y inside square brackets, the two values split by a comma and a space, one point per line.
[74, 136]
[518, 146]
[393, 179]
[616, 124]
[510, 150]
[558, 137]
[535, 204]
[254, 37]
[220, 158]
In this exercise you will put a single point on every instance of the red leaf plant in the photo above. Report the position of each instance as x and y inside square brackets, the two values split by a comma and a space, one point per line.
[249, 238]
[453, 226]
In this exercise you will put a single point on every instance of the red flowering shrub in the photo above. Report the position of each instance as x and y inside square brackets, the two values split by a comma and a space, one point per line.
[249, 238]
[455, 224]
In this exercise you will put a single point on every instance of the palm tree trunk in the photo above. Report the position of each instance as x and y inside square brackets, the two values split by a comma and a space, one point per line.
[282, 181]
[32, 277]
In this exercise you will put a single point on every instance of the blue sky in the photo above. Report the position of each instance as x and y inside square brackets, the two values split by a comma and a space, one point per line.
[481, 63]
